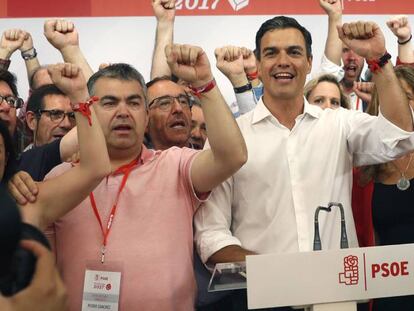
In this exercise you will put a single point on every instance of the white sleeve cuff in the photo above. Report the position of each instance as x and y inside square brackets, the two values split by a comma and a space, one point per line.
[212, 242]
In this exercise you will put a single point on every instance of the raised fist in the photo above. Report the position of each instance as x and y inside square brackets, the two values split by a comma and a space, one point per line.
[164, 10]
[364, 90]
[61, 33]
[400, 27]
[230, 61]
[70, 80]
[364, 38]
[331, 6]
[12, 40]
[189, 63]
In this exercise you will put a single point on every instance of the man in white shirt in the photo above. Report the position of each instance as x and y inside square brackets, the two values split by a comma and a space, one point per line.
[300, 156]
[339, 59]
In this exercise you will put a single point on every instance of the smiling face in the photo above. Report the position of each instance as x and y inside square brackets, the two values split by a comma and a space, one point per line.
[122, 114]
[283, 64]
[325, 95]
[171, 127]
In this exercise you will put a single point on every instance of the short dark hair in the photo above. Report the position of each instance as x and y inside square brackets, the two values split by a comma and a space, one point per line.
[10, 79]
[120, 71]
[10, 165]
[282, 22]
[36, 102]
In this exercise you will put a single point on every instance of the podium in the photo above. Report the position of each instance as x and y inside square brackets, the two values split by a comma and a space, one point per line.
[320, 281]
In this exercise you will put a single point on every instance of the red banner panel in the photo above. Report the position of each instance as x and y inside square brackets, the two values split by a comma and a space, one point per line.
[47, 8]
[54, 8]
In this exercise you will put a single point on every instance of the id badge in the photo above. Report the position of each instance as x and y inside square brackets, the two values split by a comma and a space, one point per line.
[101, 288]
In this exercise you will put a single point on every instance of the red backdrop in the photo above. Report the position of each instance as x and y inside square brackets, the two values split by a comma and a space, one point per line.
[75, 8]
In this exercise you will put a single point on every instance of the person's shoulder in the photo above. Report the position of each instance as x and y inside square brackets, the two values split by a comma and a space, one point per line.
[59, 170]
[245, 119]
[177, 152]
[41, 150]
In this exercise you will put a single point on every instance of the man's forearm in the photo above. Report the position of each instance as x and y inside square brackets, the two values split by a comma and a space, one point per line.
[406, 52]
[392, 99]
[31, 66]
[74, 55]
[231, 253]
[225, 138]
[164, 36]
[333, 45]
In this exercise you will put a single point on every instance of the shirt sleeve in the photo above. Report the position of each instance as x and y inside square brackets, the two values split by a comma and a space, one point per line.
[328, 67]
[246, 101]
[212, 222]
[374, 140]
[187, 157]
[41, 160]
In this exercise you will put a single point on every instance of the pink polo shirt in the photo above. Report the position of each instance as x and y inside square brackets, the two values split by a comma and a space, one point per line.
[151, 235]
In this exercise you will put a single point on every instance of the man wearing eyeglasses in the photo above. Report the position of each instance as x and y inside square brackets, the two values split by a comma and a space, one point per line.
[50, 117]
[49, 114]
[9, 102]
[169, 114]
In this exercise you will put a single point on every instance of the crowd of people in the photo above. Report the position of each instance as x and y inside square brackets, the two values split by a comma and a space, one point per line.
[149, 185]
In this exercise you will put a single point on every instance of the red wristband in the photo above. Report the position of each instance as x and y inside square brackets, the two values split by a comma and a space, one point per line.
[375, 65]
[253, 75]
[204, 88]
[84, 109]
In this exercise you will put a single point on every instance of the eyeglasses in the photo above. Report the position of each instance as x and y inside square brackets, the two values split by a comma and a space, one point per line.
[165, 102]
[13, 102]
[57, 116]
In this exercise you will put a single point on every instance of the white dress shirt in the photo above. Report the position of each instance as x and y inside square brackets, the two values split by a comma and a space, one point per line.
[268, 206]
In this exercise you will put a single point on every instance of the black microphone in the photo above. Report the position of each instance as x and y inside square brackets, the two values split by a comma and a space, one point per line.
[317, 244]
[344, 237]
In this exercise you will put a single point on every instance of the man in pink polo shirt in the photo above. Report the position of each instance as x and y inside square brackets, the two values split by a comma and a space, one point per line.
[129, 246]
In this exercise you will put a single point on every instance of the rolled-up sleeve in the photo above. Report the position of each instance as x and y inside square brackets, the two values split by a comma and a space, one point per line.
[212, 222]
[376, 140]
[246, 101]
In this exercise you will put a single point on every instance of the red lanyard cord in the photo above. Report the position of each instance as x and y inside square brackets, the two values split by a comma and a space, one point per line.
[125, 169]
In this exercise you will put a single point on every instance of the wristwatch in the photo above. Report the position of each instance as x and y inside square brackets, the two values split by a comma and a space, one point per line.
[29, 54]
[242, 89]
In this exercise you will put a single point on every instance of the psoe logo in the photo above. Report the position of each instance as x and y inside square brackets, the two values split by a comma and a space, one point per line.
[238, 4]
[350, 275]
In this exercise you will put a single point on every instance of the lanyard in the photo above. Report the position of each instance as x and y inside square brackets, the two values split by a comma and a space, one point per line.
[125, 169]
[357, 104]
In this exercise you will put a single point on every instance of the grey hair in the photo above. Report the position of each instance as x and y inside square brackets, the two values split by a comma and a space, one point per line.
[120, 71]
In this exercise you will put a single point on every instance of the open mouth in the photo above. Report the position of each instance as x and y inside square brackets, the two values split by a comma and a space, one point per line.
[122, 128]
[196, 144]
[351, 69]
[179, 124]
[283, 76]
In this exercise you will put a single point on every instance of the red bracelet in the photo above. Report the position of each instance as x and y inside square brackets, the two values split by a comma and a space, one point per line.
[84, 109]
[252, 76]
[375, 65]
[204, 88]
